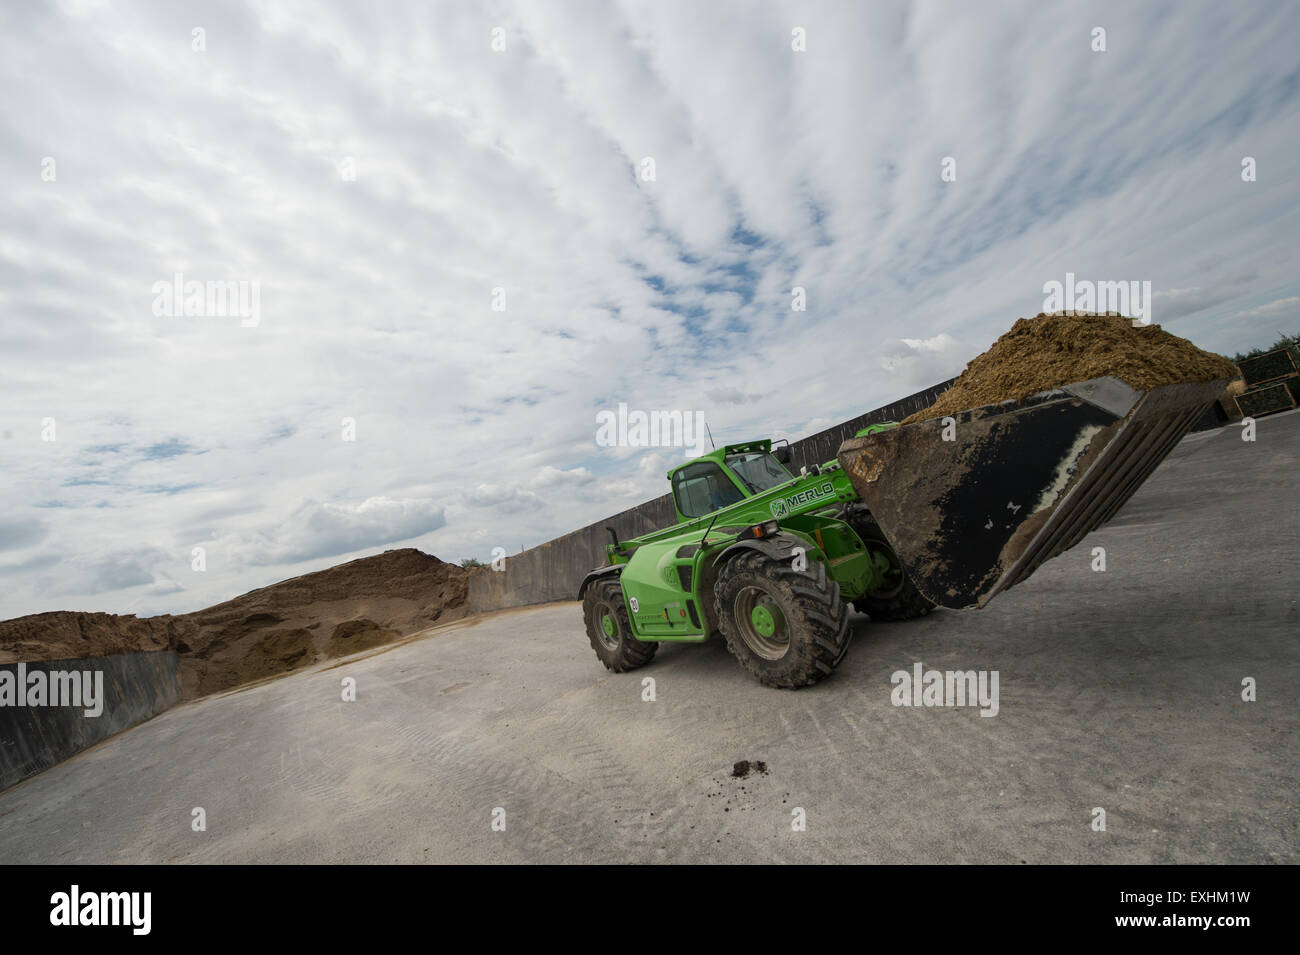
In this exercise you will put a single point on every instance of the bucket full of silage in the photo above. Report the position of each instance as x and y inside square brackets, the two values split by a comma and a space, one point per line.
[1039, 442]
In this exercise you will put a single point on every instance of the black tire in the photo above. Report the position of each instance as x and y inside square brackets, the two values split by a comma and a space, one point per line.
[619, 650]
[899, 601]
[810, 634]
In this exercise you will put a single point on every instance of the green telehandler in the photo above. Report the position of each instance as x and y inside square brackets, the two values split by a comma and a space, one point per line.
[941, 513]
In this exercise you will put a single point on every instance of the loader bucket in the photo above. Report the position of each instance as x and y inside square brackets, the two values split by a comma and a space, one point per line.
[1018, 482]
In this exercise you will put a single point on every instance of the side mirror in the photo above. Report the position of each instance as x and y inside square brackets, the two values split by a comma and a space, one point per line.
[782, 453]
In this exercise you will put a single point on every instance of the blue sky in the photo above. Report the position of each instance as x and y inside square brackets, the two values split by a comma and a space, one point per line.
[519, 169]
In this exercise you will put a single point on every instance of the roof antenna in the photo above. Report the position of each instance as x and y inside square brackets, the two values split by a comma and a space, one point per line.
[706, 428]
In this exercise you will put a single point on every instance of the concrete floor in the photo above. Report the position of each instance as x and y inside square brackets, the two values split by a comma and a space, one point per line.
[1119, 690]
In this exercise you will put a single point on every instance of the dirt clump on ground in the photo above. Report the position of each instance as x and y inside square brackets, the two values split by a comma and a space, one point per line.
[277, 629]
[1048, 351]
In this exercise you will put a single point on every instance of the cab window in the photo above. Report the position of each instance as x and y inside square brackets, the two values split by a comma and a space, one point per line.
[702, 488]
[759, 470]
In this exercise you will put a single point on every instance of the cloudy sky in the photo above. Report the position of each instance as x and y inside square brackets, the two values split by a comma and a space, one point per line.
[378, 170]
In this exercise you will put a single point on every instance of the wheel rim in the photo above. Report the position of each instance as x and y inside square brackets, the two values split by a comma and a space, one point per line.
[608, 629]
[761, 623]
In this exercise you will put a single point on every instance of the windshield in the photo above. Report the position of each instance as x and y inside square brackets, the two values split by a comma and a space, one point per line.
[759, 470]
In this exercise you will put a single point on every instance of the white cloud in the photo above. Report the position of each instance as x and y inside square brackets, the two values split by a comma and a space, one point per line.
[1280, 308]
[939, 343]
[548, 476]
[314, 529]
[1169, 304]
[920, 362]
[20, 532]
[80, 574]
[731, 396]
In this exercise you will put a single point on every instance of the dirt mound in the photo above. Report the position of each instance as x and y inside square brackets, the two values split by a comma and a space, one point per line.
[1047, 351]
[66, 635]
[286, 626]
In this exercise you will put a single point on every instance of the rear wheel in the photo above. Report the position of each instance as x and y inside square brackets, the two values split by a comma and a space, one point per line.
[788, 628]
[897, 598]
[610, 631]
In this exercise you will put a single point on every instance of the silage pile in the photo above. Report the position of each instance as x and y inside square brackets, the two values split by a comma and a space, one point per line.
[267, 632]
[1048, 351]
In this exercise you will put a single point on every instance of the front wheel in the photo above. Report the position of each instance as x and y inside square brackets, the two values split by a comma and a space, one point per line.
[610, 631]
[788, 628]
[897, 598]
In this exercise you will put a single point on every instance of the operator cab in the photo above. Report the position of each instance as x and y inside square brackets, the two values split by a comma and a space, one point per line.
[727, 476]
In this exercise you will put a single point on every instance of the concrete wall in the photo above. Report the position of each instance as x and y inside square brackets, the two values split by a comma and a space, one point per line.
[136, 687]
[554, 570]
